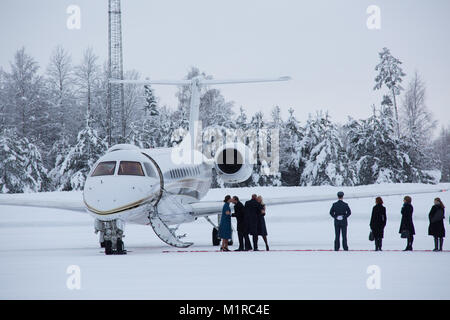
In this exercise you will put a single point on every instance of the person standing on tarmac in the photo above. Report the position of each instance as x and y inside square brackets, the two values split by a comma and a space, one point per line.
[378, 223]
[340, 211]
[252, 212]
[239, 214]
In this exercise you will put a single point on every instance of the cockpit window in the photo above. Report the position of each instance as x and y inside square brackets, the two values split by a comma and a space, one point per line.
[130, 168]
[105, 169]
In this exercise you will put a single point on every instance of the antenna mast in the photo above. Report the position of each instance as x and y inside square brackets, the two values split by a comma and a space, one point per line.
[115, 103]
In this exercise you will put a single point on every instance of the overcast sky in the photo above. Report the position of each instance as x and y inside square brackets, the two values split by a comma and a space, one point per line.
[324, 45]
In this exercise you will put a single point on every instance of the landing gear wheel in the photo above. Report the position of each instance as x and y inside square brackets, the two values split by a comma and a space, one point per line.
[108, 247]
[215, 237]
[120, 247]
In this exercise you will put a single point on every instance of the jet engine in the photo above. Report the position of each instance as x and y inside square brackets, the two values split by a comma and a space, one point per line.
[234, 162]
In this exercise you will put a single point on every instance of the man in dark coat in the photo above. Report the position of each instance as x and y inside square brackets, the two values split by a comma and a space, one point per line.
[340, 211]
[378, 222]
[252, 212]
[242, 230]
[406, 224]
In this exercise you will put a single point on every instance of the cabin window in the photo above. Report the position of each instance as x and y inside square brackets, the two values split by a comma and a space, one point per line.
[130, 168]
[105, 169]
[149, 169]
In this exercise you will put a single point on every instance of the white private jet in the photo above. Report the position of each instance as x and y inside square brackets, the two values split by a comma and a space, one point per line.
[163, 187]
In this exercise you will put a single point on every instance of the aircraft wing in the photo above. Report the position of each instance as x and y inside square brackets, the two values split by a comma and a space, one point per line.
[58, 200]
[205, 208]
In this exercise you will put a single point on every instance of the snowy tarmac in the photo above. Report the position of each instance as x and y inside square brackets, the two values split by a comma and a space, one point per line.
[37, 245]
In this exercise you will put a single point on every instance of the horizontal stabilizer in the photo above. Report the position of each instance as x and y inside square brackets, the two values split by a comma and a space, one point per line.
[236, 81]
[156, 82]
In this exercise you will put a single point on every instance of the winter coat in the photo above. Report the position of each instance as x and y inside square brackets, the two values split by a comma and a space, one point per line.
[262, 230]
[239, 214]
[436, 229]
[252, 214]
[340, 209]
[407, 219]
[378, 221]
[225, 223]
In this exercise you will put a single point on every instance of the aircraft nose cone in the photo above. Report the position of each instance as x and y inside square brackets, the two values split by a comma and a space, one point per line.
[109, 194]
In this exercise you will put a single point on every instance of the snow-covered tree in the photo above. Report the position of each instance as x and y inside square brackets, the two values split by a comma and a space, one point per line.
[290, 153]
[323, 158]
[21, 165]
[214, 110]
[151, 103]
[26, 100]
[442, 149]
[418, 124]
[71, 170]
[378, 155]
[390, 74]
[87, 75]
[65, 113]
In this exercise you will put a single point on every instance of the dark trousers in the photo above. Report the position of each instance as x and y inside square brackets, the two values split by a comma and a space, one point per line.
[244, 241]
[338, 229]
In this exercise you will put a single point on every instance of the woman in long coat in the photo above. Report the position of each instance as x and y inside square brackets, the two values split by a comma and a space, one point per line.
[436, 228]
[262, 230]
[406, 224]
[225, 224]
[378, 222]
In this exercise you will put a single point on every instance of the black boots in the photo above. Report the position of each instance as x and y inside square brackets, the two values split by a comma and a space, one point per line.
[409, 244]
[438, 243]
[255, 243]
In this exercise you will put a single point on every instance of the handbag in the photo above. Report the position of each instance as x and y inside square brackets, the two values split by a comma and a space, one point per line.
[405, 234]
[371, 236]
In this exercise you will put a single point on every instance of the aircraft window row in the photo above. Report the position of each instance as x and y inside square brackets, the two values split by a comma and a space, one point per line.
[184, 172]
[128, 168]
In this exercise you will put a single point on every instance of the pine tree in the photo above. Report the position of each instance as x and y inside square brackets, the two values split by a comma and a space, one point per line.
[390, 74]
[442, 149]
[21, 165]
[323, 156]
[290, 152]
[71, 171]
[378, 155]
[151, 105]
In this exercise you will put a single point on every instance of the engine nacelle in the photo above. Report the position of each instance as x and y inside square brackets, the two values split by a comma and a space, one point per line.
[234, 162]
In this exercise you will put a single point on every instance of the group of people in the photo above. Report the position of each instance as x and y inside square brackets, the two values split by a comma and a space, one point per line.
[250, 221]
[340, 211]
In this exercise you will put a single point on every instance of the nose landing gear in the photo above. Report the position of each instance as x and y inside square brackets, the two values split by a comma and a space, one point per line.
[111, 234]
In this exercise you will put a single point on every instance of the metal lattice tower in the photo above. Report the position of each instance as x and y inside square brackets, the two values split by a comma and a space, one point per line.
[115, 70]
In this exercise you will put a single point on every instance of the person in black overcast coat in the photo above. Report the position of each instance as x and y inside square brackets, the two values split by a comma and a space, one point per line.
[378, 222]
[436, 228]
[242, 230]
[407, 224]
[252, 213]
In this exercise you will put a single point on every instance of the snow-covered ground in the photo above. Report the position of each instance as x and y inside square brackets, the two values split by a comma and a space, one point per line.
[37, 245]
